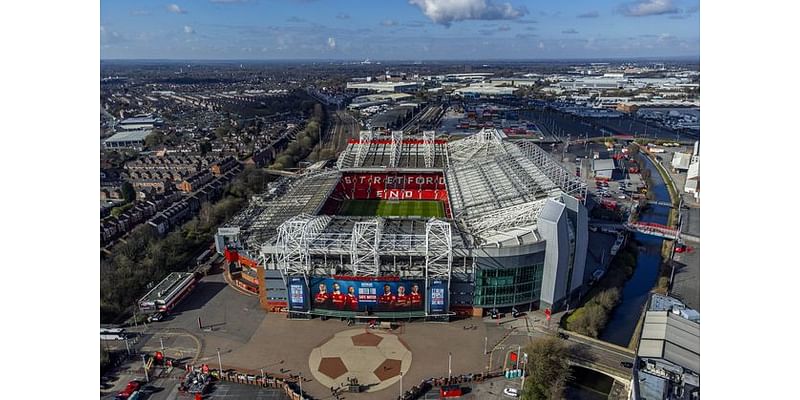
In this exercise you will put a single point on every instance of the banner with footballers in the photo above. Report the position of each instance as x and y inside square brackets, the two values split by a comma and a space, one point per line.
[298, 295]
[367, 294]
[438, 297]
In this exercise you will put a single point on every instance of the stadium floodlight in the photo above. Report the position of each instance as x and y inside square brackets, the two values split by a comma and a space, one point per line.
[364, 247]
[396, 148]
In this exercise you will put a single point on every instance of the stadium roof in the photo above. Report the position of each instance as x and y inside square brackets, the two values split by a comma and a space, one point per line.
[260, 220]
[672, 338]
[130, 136]
[496, 191]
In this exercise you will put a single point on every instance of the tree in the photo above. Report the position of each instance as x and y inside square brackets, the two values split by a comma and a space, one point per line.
[547, 369]
[205, 147]
[127, 192]
[154, 139]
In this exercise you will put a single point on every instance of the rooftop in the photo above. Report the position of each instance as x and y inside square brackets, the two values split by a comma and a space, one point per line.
[672, 338]
[130, 136]
[169, 285]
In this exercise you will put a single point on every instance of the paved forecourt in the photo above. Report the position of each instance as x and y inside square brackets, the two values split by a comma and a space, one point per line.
[375, 359]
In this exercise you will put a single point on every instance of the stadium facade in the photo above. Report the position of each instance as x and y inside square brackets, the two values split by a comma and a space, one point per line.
[509, 230]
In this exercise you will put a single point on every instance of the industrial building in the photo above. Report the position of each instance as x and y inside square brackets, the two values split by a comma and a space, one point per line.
[384, 86]
[127, 139]
[512, 230]
[139, 122]
[668, 354]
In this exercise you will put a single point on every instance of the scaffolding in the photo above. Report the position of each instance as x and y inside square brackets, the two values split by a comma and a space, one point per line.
[428, 147]
[438, 250]
[364, 247]
[396, 148]
[294, 235]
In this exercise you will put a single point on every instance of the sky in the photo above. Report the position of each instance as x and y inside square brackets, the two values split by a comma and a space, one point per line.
[413, 30]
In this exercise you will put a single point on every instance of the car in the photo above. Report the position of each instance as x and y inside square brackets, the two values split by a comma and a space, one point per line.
[511, 392]
[155, 317]
[450, 391]
[130, 388]
[563, 335]
[626, 364]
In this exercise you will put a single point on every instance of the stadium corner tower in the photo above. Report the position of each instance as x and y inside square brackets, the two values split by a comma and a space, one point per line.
[415, 227]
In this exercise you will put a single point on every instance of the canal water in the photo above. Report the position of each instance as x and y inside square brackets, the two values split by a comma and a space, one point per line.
[625, 316]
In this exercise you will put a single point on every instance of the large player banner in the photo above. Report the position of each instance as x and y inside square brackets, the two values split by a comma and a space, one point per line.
[367, 294]
[298, 295]
[438, 297]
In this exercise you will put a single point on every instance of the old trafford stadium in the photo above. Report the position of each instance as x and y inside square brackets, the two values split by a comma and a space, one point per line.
[415, 228]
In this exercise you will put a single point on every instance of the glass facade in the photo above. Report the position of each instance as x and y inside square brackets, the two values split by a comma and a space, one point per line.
[508, 286]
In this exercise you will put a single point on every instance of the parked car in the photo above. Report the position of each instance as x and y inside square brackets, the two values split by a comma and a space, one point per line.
[511, 392]
[130, 388]
[155, 317]
[450, 391]
[626, 364]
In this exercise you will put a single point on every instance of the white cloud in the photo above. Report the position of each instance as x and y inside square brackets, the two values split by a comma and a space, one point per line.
[446, 12]
[389, 22]
[188, 29]
[331, 43]
[228, 1]
[174, 8]
[570, 31]
[541, 45]
[644, 8]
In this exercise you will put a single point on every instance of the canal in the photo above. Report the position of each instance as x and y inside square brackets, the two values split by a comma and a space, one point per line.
[625, 316]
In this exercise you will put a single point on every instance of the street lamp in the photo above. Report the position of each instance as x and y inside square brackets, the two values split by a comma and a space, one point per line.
[300, 374]
[401, 384]
[144, 366]
[449, 365]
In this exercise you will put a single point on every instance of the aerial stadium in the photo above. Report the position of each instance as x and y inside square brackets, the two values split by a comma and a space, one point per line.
[415, 228]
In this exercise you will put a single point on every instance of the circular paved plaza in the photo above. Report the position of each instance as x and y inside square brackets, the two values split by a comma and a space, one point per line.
[375, 359]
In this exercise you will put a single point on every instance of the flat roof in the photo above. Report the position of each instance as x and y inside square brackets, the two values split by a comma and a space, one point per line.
[672, 338]
[130, 136]
[165, 288]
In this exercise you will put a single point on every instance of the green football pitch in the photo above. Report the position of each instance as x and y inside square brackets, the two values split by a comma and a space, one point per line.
[396, 208]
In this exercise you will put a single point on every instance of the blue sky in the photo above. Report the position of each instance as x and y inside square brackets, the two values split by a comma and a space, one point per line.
[398, 29]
